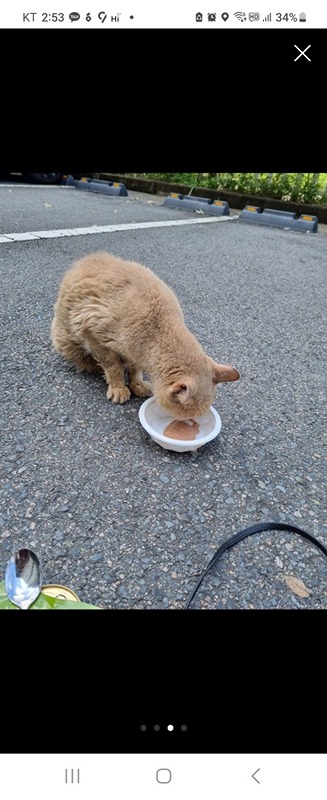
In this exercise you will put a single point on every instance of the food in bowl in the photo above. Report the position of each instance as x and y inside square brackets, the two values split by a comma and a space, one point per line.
[178, 429]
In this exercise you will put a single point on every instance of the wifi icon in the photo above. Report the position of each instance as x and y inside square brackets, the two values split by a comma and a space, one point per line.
[240, 15]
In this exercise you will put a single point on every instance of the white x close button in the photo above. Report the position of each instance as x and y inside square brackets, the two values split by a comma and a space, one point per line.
[302, 53]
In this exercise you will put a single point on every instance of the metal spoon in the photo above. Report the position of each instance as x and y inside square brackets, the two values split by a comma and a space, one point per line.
[23, 579]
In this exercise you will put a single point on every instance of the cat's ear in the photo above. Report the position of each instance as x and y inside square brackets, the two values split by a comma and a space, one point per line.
[223, 372]
[182, 390]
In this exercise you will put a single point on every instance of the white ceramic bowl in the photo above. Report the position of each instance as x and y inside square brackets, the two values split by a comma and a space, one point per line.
[154, 420]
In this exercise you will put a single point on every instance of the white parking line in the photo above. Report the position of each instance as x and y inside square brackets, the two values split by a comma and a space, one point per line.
[33, 186]
[129, 226]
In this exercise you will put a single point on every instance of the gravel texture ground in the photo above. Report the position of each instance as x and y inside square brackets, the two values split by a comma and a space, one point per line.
[111, 514]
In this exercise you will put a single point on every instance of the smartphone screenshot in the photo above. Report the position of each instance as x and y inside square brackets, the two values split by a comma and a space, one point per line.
[163, 242]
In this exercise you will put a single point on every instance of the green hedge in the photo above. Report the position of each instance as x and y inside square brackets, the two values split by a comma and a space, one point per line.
[299, 187]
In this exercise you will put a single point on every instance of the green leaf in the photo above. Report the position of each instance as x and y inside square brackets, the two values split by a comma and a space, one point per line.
[44, 602]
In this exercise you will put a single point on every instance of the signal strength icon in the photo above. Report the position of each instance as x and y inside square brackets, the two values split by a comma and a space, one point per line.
[267, 18]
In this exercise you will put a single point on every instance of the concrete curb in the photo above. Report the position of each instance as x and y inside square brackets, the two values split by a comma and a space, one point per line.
[234, 200]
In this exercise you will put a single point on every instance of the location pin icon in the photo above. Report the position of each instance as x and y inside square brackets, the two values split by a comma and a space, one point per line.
[225, 16]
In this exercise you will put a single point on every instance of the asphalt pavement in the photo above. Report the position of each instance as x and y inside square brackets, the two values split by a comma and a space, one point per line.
[121, 521]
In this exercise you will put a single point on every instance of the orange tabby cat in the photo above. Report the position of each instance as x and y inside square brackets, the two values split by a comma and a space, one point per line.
[113, 315]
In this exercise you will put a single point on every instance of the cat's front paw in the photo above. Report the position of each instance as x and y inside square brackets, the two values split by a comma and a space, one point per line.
[118, 394]
[141, 388]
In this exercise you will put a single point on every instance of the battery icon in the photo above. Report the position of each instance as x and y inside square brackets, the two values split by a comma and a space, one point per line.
[302, 17]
